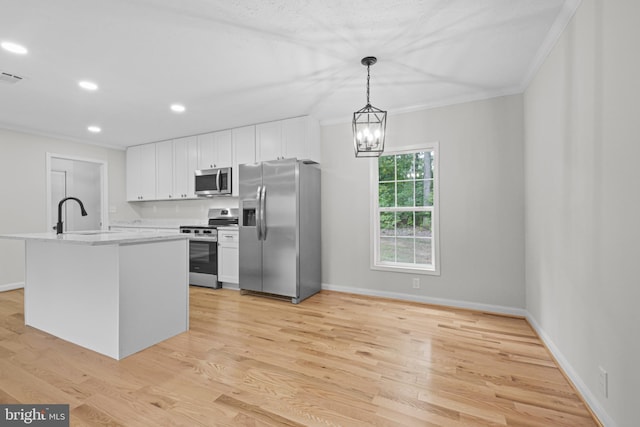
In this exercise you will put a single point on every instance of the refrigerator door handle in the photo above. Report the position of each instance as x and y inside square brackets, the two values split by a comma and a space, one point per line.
[263, 215]
[258, 214]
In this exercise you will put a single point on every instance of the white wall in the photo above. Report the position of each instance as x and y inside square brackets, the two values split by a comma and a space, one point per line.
[23, 184]
[481, 205]
[582, 203]
[83, 182]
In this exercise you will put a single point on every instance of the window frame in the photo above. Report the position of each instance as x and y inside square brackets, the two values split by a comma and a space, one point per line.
[376, 264]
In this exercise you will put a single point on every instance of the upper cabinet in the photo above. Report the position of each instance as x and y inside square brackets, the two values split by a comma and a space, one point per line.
[165, 170]
[214, 150]
[298, 137]
[301, 138]
[185, 163]
[269, 141]
[244, 151]
[141, 172]
[176, 162]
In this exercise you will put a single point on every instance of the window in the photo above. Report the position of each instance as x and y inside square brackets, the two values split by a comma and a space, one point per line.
[405, 211]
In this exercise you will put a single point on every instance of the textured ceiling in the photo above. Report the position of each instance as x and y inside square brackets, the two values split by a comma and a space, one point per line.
[239, 62]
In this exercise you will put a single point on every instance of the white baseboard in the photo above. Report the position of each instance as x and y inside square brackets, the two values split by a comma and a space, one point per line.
[11, 286]
[587, 395]
[498, 309]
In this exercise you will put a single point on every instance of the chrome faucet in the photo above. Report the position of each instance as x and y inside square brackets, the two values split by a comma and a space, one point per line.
[59, 224]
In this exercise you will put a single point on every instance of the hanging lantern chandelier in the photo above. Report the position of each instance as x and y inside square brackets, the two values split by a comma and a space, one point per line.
[369, 124]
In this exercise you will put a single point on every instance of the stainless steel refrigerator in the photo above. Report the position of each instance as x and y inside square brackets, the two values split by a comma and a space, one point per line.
[280, 248]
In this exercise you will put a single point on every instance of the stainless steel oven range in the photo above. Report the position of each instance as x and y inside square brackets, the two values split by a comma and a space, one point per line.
[203, 246]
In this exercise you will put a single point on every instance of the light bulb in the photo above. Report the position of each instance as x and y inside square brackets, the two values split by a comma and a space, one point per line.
[87, 85]
[14, 48]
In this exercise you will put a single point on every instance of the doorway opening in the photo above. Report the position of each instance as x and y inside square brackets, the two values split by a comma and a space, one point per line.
[85, 179]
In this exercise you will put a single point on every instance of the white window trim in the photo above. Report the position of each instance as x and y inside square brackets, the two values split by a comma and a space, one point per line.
[373, 226]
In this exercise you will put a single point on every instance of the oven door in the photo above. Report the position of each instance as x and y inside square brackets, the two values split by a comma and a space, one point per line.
[203, 263]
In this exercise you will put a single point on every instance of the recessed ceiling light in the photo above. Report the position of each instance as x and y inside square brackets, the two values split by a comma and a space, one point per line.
[94, 129]
[178, 108]
[87, 85]
[14, 48]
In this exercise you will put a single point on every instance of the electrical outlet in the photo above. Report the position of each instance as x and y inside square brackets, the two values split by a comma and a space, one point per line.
[416, 283]
[603, 381]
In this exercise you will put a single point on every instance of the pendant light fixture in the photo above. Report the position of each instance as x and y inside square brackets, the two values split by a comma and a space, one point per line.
[369, 124]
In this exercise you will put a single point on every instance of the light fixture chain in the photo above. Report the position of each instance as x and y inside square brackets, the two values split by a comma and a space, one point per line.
[368, 77]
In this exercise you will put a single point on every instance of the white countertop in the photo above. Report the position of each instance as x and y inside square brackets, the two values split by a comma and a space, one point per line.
[99, 237]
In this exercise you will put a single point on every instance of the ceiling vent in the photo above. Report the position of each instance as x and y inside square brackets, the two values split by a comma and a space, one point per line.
[9, 78]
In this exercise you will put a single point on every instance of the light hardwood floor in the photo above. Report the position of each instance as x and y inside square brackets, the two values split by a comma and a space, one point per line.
[334, 360]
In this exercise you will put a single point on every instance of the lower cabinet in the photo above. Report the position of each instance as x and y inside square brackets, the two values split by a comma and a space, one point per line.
[228, 262]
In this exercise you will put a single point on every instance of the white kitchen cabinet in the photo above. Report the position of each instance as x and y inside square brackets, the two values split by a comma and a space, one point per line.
[301, 138]
[228, 256]
[297, 137]
[206, 151]
[244, 151]
[164, 170]
[223, 142]
[269, 141]
[214, 150]
[185, 162]
[141, 172]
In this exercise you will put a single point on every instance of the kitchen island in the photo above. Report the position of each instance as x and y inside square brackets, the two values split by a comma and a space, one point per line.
[115, 293]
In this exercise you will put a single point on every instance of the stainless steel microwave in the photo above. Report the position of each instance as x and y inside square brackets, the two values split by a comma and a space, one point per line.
[213, 182]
